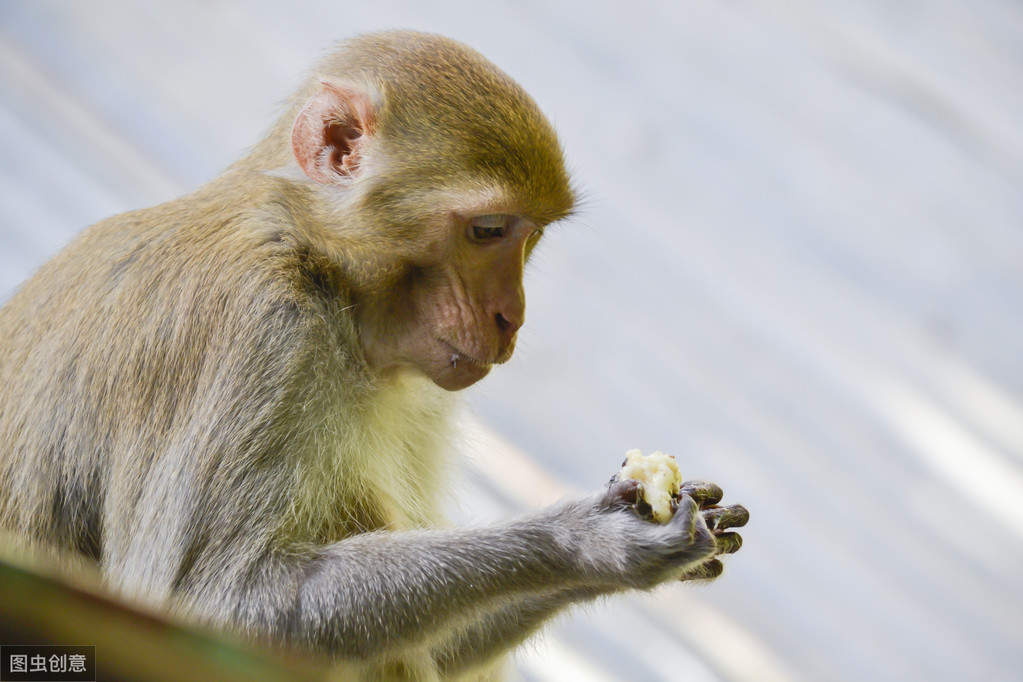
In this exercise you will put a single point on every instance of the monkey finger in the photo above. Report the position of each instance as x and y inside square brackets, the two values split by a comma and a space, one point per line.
[720, 518]
[686, 510]
[686, 517]
[705, 571]
[621, 494]
[705, 494]
[728, 543]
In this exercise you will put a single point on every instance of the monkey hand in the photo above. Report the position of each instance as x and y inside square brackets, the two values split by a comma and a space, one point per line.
[691, 541]
[614, 548]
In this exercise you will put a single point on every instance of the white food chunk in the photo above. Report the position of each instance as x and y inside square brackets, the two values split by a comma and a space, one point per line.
[660, 477]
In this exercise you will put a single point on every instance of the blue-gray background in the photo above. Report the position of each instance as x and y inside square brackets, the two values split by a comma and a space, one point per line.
[799, 269]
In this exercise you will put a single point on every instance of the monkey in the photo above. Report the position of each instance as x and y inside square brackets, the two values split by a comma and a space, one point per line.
[235, 404]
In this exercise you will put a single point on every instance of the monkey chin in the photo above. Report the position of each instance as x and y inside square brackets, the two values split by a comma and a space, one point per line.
[454, 370]
[457, 378]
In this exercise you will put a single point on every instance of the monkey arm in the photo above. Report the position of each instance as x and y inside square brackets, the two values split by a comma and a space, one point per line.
[375, 594]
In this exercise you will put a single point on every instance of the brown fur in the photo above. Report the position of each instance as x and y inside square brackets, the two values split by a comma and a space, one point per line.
[232, 403]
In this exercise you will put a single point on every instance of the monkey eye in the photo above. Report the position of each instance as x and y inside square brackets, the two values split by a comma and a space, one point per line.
[482, 233]
[488, 228]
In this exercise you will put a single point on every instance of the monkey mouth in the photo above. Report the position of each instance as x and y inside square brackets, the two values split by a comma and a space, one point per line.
[458, 357]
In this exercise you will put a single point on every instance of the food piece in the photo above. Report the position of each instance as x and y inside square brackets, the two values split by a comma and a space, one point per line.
[661, 481]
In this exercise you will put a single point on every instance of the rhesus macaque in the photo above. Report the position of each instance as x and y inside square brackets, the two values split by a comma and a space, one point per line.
[235, 404]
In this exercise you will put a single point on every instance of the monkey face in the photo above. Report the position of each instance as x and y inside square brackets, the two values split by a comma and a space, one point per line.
[462, 303]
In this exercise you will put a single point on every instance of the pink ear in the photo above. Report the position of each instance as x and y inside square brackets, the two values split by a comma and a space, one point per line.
[329, 135]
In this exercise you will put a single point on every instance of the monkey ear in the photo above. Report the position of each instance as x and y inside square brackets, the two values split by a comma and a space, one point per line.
[329, 135]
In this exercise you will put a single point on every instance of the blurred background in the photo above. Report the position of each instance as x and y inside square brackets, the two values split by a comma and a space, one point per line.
[799, 268]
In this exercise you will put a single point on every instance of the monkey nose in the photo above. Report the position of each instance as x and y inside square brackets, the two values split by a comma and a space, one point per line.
[507, 329]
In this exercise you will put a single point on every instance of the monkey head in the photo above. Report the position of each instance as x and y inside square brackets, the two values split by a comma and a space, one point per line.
[443, 184]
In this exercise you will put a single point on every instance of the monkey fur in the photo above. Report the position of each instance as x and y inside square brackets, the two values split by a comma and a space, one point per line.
[235, 404]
